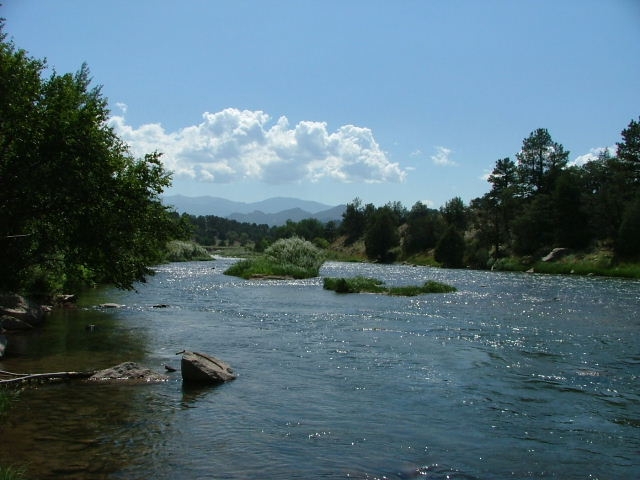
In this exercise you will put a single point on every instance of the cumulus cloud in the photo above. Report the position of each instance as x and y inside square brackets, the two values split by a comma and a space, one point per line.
[442, 157]
[234, 145]
[593, 154]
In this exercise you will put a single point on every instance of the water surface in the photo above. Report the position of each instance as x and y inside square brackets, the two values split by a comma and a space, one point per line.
[513, 376]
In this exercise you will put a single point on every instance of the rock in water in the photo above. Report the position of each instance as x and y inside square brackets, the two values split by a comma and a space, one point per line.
[199, 367]
[130, 372]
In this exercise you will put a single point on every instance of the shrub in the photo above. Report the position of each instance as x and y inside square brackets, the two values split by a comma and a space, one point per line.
[371, 285]
[296, 251]
[290, 257]
[353, 285]
[181, 251]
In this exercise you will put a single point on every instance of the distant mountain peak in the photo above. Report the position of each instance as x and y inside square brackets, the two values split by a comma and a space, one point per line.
[272, 211]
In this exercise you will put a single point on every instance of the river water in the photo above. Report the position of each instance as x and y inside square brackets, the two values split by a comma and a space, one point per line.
[513, 376]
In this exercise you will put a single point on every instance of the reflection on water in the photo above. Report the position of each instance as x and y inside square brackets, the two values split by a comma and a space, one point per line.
[520, 376]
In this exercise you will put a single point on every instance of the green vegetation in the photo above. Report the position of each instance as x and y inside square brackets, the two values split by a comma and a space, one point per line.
[12, 473]
[353, 285]
[535, 204]
[184, 251]
[5, 401]
[372, 285]
[77, 207]
[290, 257]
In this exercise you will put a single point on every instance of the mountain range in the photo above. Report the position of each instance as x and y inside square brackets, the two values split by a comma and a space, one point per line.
[272, 211]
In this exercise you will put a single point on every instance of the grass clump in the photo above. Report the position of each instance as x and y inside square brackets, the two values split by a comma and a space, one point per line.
[371, 285]
[181, 251]
[354, 285]
[12, 473]
[288, 257]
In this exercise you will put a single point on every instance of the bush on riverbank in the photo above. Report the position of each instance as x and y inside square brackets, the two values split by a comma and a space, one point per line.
[372, 285]
[290, 257]
[598, 262]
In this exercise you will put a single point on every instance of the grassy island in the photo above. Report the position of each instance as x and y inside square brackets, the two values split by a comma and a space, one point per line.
[289, 257]
[372, 285]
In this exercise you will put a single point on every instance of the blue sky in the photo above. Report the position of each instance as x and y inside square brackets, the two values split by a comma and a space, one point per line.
[409, 100]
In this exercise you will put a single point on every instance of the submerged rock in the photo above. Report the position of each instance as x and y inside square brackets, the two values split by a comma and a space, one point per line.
[110, 305]
[130, 372]
[203, 368]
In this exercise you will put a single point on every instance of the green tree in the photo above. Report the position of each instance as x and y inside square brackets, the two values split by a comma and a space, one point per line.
[629, 150]
[382, 235]
[450, 249]
[533, 229]
[571, 226]
[539, 162]
[75, 205]
[455, 214]
[355, 219]
[424, 227]
[502, 203]
[628, 241]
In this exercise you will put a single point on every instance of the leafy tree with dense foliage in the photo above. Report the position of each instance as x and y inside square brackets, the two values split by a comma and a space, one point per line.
[75, 205]
[424, 226]
[450, 249]
[382, 235]
[355, 219]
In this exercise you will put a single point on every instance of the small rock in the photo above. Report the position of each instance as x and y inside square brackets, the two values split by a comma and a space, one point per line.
[111, 305]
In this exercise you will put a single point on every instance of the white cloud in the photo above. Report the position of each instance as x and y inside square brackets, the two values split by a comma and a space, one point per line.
[123, 107]
[234, 145]
[593, 154]
[442, 157]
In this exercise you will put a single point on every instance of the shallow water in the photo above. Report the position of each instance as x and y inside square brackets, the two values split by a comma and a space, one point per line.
[513, 376]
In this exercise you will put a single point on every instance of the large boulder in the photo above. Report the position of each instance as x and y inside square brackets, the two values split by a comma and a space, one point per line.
[16, 306]
[203, 368]
[13, 324]
[129, 372]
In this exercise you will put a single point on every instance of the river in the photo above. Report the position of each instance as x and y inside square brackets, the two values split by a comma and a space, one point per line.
[513, 376]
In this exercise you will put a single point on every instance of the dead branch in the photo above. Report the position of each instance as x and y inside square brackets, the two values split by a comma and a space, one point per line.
[27, 377]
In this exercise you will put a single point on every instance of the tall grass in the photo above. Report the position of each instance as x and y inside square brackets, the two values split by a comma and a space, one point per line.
[181, 251]
[12, 473]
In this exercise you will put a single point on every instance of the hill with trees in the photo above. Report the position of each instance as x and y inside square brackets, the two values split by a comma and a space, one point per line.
[536, 203]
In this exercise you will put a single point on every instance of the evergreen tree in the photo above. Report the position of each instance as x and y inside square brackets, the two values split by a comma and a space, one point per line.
[629, 151]
[450, 249]
[628, 241]
[502, 201]
[424, 227]
[454, 214]
[539, 162]
[381, 235]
